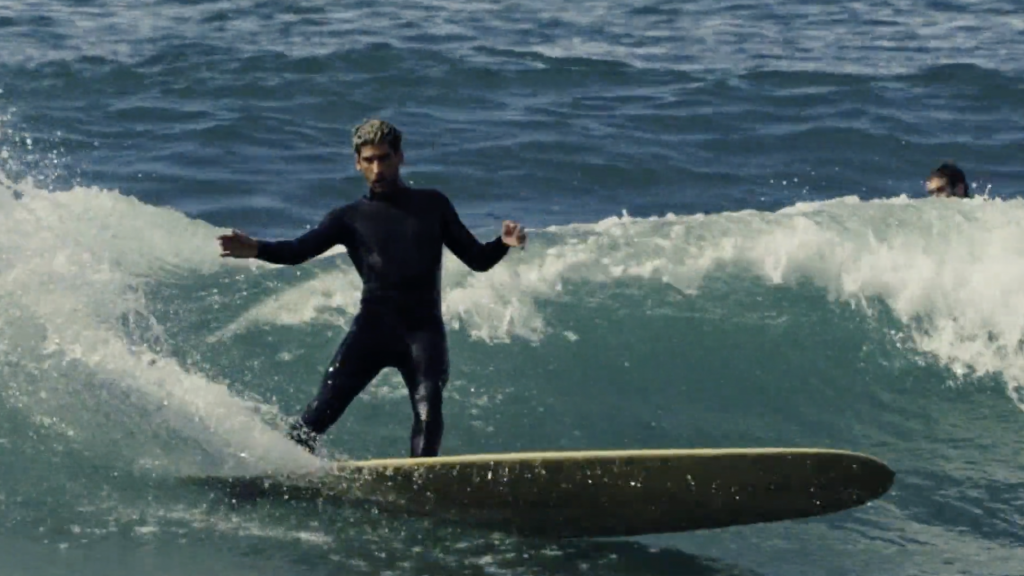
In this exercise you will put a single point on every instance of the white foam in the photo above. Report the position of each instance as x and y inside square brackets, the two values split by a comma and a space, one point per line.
[325, 298]
[73, 267]
[950, 270]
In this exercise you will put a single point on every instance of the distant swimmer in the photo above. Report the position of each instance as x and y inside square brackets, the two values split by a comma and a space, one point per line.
[394, 236]
[948, 181]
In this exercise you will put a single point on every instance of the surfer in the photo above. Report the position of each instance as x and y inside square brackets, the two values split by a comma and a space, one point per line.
[946, 181]
[394, 236]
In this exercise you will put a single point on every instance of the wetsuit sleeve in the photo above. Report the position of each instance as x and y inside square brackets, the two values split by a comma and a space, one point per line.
[478, 256]
[332, 230]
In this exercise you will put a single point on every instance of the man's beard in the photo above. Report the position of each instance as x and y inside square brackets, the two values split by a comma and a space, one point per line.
[384, 184]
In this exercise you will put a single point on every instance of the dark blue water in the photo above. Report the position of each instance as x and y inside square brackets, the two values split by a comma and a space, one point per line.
[729, 246]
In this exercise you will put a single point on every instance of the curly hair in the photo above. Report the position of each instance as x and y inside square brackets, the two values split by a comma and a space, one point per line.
[376, 131]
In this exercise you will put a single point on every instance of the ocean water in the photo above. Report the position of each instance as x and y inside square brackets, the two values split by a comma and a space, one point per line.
[729, 247]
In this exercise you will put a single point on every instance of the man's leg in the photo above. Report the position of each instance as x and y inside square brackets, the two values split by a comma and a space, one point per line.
[425, 373]
[359, 358]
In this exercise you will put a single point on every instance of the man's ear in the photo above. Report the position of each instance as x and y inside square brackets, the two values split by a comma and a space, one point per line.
[960, 190]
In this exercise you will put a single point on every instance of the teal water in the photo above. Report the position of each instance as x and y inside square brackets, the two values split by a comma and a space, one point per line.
[729, 246]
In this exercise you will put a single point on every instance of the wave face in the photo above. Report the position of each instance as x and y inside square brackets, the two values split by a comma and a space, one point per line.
[132, 354]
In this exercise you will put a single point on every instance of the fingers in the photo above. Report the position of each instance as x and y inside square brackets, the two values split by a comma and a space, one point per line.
[229, 243]
[513, 232]
[234, 234]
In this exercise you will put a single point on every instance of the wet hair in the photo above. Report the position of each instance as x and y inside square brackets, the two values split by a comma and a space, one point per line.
[373, 132]
[953, 175]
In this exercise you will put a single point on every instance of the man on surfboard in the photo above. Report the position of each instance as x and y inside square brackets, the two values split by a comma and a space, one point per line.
[394, 236]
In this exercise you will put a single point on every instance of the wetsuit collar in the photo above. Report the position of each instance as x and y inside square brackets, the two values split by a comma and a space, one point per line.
[371, 195]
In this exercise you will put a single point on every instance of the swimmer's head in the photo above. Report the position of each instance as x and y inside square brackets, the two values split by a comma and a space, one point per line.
[947, 181]
[378, 148]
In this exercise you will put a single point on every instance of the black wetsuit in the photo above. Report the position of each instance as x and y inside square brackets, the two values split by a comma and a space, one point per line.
[395, 241]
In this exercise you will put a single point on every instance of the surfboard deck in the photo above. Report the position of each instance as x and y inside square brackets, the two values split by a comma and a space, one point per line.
[600, 493]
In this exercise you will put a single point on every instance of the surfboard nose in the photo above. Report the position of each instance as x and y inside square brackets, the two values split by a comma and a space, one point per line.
[876, 476]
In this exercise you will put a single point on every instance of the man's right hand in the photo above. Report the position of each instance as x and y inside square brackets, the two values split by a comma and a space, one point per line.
[237, 245]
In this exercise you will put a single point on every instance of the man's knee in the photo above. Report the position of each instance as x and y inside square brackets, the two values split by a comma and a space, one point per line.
[427, 399]
[430, 388]
[340, 386]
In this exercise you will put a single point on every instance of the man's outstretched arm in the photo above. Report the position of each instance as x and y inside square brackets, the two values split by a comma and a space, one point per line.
[329, 232]
[480, 257]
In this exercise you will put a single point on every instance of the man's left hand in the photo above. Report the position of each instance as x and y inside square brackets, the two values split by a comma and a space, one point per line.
[513, 234]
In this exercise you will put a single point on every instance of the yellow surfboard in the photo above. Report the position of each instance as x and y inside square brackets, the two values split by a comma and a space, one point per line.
[596, 493]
